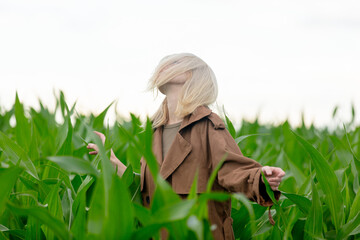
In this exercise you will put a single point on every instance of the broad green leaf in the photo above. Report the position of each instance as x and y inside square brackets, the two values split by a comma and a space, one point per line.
[55, 209]
[97, 212]
[194, 187]
[128, 176]
[313, 225]
[302, 202]
[43, 215]
[163, 195]
[173, 212]
[79, 228]
[147, 232]
[241, 138]
[217, 196]
[230, 127]
[143, 214]
[15, 153]
[65, 143]
[8, 179]
[74, 165]
[196, 226]
[23, 131]
[120, 219]
[99, 120]
[328, 182]
[246, 203]
[66, 203]
[214, 174]
[355, 207]
[15, 233]
[348, 228]
[107, 168]
[269, 191]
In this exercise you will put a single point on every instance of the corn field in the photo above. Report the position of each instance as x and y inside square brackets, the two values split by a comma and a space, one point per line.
[51, 188]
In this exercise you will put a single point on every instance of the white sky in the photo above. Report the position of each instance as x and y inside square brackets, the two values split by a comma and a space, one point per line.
[271, 58]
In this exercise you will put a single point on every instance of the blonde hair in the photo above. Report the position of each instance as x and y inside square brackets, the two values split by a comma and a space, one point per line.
[200, 89]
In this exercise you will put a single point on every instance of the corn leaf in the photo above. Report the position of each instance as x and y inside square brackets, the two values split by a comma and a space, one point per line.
[15, 153]
[328, 182]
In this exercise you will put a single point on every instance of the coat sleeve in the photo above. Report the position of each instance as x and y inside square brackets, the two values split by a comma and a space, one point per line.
[238, 173]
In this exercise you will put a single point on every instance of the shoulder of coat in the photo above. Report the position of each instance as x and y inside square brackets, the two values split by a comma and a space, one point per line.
[216, 121]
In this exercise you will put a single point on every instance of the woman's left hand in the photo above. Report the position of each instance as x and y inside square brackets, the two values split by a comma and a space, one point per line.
[273, 175]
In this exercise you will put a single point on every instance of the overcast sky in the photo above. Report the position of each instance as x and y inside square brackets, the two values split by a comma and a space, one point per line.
[273, 59]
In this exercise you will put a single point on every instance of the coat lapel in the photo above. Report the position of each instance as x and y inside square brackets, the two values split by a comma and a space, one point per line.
[157, 145]
[179, 149]
[157, 150]
[177, 153]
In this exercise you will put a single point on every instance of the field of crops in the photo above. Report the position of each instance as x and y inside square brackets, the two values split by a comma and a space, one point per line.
[51, 188]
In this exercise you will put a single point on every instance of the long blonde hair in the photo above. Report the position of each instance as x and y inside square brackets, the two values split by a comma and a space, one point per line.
[200, 89]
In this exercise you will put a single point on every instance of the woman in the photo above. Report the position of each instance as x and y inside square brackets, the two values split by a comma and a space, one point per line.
[189, 137]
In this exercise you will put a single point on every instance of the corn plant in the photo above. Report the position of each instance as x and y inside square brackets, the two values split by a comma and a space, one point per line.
[51, 188]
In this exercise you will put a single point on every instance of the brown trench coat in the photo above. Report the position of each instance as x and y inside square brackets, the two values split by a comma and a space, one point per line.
[201, 143]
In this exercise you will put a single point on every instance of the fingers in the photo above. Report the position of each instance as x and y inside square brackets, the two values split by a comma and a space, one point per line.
[267, 170]
[101, 136]
[93, 146]
[274, 176]
[274, 185]
[281, 173]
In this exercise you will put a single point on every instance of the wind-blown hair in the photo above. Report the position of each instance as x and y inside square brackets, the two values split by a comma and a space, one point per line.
[199, 90]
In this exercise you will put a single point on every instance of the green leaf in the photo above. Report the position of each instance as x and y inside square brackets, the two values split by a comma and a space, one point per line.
[335, 111]
[75, 165]
[65, 134]
[196, 226]
[246, 203]
[328, 182]
[214, 174]
[313, 225]
[269, 191]
[349, 227]
[15, 153]
[194, 186]
[173, 212]
[55, 209]
[42, 215]
[107, 168]
[78, 227]
[97, 211]
[99, 120]
[23, 133]
[355, 206]
[241, 138]
[8, 179]
[302, 202]
[230, 127]
[121, 217]
[143, 214]
[163, 195]
[16, 233]
[147, 232]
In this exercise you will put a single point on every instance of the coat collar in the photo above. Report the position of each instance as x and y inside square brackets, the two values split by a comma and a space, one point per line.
[181, 147]
[199, 113]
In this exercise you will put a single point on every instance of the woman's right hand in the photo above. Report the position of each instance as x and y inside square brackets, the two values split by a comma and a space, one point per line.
[113, 159]
[94, 146]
